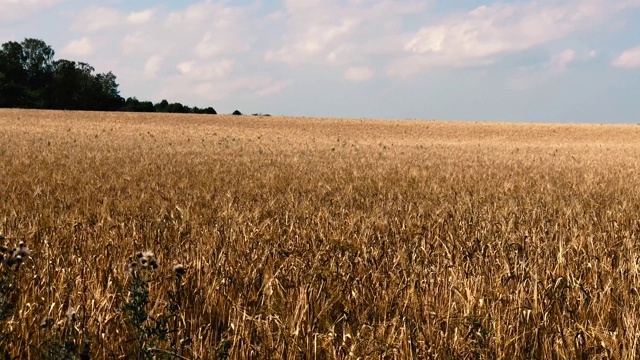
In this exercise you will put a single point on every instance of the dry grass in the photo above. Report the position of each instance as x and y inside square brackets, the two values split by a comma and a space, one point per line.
[319, 238]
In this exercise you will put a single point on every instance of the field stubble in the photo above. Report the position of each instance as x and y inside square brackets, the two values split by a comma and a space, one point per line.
[322, 238]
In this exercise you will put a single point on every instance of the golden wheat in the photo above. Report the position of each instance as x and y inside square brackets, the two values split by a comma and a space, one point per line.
[292, 238]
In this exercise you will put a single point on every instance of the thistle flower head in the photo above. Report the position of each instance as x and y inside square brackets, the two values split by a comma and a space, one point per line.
[179, 269]
[9, 261]
[72, 314]
[47, 323]
[22, 251]
[133, 265]
[15, 256]
[147, 259]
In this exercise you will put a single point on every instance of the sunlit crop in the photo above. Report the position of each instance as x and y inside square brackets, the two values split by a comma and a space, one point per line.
[202, 237]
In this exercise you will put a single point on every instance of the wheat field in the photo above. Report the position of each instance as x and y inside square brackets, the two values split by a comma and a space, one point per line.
[296, 238]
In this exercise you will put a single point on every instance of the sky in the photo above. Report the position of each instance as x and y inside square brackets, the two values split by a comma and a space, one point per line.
[572, 61]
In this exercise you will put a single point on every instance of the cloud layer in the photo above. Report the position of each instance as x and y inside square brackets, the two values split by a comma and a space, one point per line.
[629, 59]
[202, 52]
[17, 10]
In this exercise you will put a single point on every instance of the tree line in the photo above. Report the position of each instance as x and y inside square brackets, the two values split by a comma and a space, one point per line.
[31, 78]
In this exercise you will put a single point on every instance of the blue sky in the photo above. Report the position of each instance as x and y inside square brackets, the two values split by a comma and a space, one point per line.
[574, 61]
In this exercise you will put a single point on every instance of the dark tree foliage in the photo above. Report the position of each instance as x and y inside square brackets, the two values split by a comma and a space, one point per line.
[75, 87]
[25, 71]
[31, 78]
[135, 105]
[37, 61]
[162, 106]
[176, 108]
[13, 76]
[207, 110]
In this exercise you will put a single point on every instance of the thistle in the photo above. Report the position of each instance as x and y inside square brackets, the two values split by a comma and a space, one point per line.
[147, 259]
[179, 270]
[148, 331]
[72, 315]
[47, 323]
[15, 256]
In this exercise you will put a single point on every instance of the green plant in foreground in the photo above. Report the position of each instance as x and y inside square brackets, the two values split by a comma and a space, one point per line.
[10, 262]
[65, 341]
[174, 307]
[151, 332]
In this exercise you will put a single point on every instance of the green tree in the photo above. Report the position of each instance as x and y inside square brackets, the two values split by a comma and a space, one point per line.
[109, 93]
[37, 62]
[31, 78]
[64, 90]
[27, 70]
[176, 108]
[162, 106]
[134, 105]
[75, 87]
[13, 76]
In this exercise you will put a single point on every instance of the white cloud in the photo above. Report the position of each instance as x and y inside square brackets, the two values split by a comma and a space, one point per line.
[201, 46]
[208, 70]
[218, 43]
[196, 14]
[215, 90]
[277, 16]
[477, 37]
[216, 15]
[212, 29]
[185, 67]
[132, 43]
[316, 39]
[342, 54]
[559, 62]
[13, 10]
[152, 66]
[96, 18]
[141, 17]
[358, 74]
[629, 59]
[334, 32]
[273, 88]
[212, 81]
[528, 77]
[81, 47]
